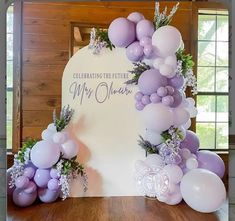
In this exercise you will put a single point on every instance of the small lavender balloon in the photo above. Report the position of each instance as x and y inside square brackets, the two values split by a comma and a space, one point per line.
[144, 28]
[31, 187]
[138, 96]
[135, 17]
[42, 176]
[145, 41]
[150, 80]
[168, 100]
[22, 182]
[154, 98]
[176, 82]
[146, 100]
[162, 92]
[23, 199]
[170, 90]
[29, 172]
[53, 184]
[135, 52]
[177, 98]
[148, 51]
[54, 173]
[48, 196]
[139, 105]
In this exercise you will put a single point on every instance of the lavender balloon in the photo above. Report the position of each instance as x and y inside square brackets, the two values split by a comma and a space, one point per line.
[121, 32]
[154, 98]
[23, 199]
[190, 142]
[148, 51]
[31, 187]
[42, 176]
[29, 172]
[211, 161]
[139, 106]
[146, 100]
[53, 184]
[144, 28]
[135, 17]
[48, 196]
[150, 81]
[170, 90]
[145, 41]
[168, 100]
[135, 52]
[162, 92]
[177, 98]
[22, 182]
[54, 173]
[176, 82]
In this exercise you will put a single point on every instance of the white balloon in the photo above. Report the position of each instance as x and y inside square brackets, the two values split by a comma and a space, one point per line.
[52, 127]
[187, 125]
[167, 70]
[47, 134]
[181, 116]
[163, 198]
[185, 153]
[174, 199]
[192, 111]
[60, 137]
[153, 137]
[167, 40]
[157, 117]
[191, 163]
[174, 172]
[154, 160]
[203, 190]
[158, 62]
[171, 60]
[191, 101]
[45, 154]
[69, 149]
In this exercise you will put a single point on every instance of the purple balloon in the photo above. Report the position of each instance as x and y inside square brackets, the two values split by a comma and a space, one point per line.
[42, 176]
[54, 173]
[121, 32]
[176, 82]
[135, 17]
[29, 172]
[22, 182]
[135, 52]
[150, 80]
[154, 98]
[148, 51]
[190, 142]
[23, 199]
[170, 90]
[146, 100]
[177, 98]
[31, 187]
[53, 184]
[139, 105]
[48, 196]
[211, 161]
[144, 28]
[162, 92]
[168, 100]
[145, 41]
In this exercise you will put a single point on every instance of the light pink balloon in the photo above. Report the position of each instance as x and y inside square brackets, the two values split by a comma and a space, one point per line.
[69, 149]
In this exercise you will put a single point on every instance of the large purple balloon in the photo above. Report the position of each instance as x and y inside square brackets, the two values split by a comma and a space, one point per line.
[144, 28]
[135, 52]
[176, 82]
[177, 98]
[42, 176]
[150, 81]
[48, 196]
[23, 199]
[211, 161]
[135, 17]
[190, 142]
[121, 32]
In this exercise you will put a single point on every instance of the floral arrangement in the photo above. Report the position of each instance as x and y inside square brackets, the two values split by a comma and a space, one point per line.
[45, 168]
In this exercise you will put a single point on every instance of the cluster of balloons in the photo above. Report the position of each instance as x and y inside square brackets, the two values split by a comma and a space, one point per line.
[40, 179]
[195, 175]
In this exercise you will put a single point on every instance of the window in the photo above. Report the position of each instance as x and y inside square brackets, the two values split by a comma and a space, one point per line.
[212, 76]
[9, 76]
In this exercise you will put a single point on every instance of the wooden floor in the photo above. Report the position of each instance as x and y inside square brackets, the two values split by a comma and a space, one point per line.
[111, 209]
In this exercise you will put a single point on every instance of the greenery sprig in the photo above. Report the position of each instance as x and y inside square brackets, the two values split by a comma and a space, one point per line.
[138, 69]
[186, 59]
[167, 136]
[147, 146]
[102, 35]
[65, 117]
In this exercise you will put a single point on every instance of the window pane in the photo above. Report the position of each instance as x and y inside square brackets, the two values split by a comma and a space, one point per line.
[222, 28]
[9, 134]
[9, 74]
[9, 46]
[10, 19]
[222, 108]
[222, 54]
[205, 79]
[222, 136]
[222, 79]
[206, 53]
[206, 27]
[206, 108]
[9, 105]
[206, 135]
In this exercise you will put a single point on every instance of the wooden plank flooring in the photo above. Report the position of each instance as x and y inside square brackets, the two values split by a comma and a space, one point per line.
[111, 209]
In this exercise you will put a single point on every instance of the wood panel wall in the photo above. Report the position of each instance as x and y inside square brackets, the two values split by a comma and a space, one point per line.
[45, 49]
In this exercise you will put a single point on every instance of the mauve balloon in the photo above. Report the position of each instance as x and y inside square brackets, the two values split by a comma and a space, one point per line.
[135, 52]
[176, 82]
[177, 98]
[135, 17]
[23, 199]
[48, 196]
[144, 28]
[42, 177]
[190, 142]
[121, 32]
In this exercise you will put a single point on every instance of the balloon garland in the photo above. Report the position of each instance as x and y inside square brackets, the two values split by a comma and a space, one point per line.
[174, 169]
[43, 169]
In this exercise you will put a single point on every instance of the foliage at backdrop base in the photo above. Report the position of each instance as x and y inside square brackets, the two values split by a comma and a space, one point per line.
[43, 169]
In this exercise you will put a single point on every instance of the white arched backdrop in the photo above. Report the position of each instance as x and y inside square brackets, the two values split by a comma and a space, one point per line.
[105, 123]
